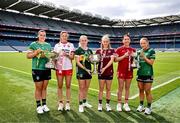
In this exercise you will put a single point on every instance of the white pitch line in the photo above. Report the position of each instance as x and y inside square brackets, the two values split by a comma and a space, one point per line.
[158, 86]
[132, 97]
[19, 71]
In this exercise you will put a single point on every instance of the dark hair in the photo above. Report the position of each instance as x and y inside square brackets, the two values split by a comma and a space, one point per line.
[126, 35]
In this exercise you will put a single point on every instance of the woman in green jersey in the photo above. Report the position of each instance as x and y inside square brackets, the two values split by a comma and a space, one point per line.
[40, 74]
[145, 57]
[83, 72]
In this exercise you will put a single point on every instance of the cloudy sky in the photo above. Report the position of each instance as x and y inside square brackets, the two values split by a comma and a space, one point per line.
[124, 9]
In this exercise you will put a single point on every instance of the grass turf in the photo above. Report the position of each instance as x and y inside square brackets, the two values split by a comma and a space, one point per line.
[17, 94]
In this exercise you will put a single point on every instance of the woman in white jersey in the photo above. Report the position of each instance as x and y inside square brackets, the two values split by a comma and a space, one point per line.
[64, 69]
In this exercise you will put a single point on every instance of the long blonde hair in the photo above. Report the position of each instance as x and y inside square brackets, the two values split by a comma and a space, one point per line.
[105, 37]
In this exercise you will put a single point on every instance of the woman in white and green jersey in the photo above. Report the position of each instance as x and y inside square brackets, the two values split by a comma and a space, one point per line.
[145, 57]
[40, 74]
[83, 71]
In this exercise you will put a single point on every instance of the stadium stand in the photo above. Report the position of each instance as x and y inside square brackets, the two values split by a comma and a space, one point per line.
[21, 19]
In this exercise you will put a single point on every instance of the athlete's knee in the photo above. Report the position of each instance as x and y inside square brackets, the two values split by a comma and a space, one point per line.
[127, 88]
[81, 88]
[38, 88]
[148, 92]
[86, 88]
[60, 86]
[108, 89]
[101, 90]
[44, 88]
[68, 86]
[121, 86]
[141, 90]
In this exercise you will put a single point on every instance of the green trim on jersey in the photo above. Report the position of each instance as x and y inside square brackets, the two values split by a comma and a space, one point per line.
[83, 56]
[38, 63]
[145, 68]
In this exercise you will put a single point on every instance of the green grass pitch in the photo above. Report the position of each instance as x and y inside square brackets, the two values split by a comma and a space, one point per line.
[17, 102]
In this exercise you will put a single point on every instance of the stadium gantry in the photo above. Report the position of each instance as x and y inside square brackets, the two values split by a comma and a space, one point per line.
[21, 19]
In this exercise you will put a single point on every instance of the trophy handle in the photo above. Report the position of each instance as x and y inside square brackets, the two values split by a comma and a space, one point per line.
[95, 71]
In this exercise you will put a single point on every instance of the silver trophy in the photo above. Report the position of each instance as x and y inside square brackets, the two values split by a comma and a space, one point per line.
[94, 59]
[135, 61]
[52, 57]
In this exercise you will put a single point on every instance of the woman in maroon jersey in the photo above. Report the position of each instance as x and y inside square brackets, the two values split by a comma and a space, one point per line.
[105, 70]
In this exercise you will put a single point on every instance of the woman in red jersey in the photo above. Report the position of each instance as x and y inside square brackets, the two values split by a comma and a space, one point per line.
[124, 71]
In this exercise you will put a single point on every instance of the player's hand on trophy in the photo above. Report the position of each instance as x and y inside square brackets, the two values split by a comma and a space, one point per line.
[42, 55]
[133, 54]
[36, 52]
[142, 55]
[115, 55]
[89, 71]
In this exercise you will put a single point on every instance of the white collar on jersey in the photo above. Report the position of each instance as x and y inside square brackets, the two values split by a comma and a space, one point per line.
[63, 44]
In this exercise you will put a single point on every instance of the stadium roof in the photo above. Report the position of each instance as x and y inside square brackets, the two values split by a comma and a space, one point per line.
[64, 13]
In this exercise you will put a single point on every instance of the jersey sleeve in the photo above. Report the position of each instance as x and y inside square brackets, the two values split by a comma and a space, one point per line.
[113, 53]
[50, 48]
[118, 52]
[72, 49]
[91, 51]
[152, 54]
[31, 47]
[55, 48]
[76, 52]
[137, 54]
[133, 49]
[98, 51]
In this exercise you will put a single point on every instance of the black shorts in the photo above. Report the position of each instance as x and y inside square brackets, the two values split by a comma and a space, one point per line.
[40, 75]
[110, 77]
[145, 79]
[83, 76]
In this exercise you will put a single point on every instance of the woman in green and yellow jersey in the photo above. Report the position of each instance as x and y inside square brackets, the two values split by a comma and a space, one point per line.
[83, 71]
[40, 74]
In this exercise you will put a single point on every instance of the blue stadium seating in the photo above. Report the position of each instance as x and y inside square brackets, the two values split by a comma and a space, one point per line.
[19, 30]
